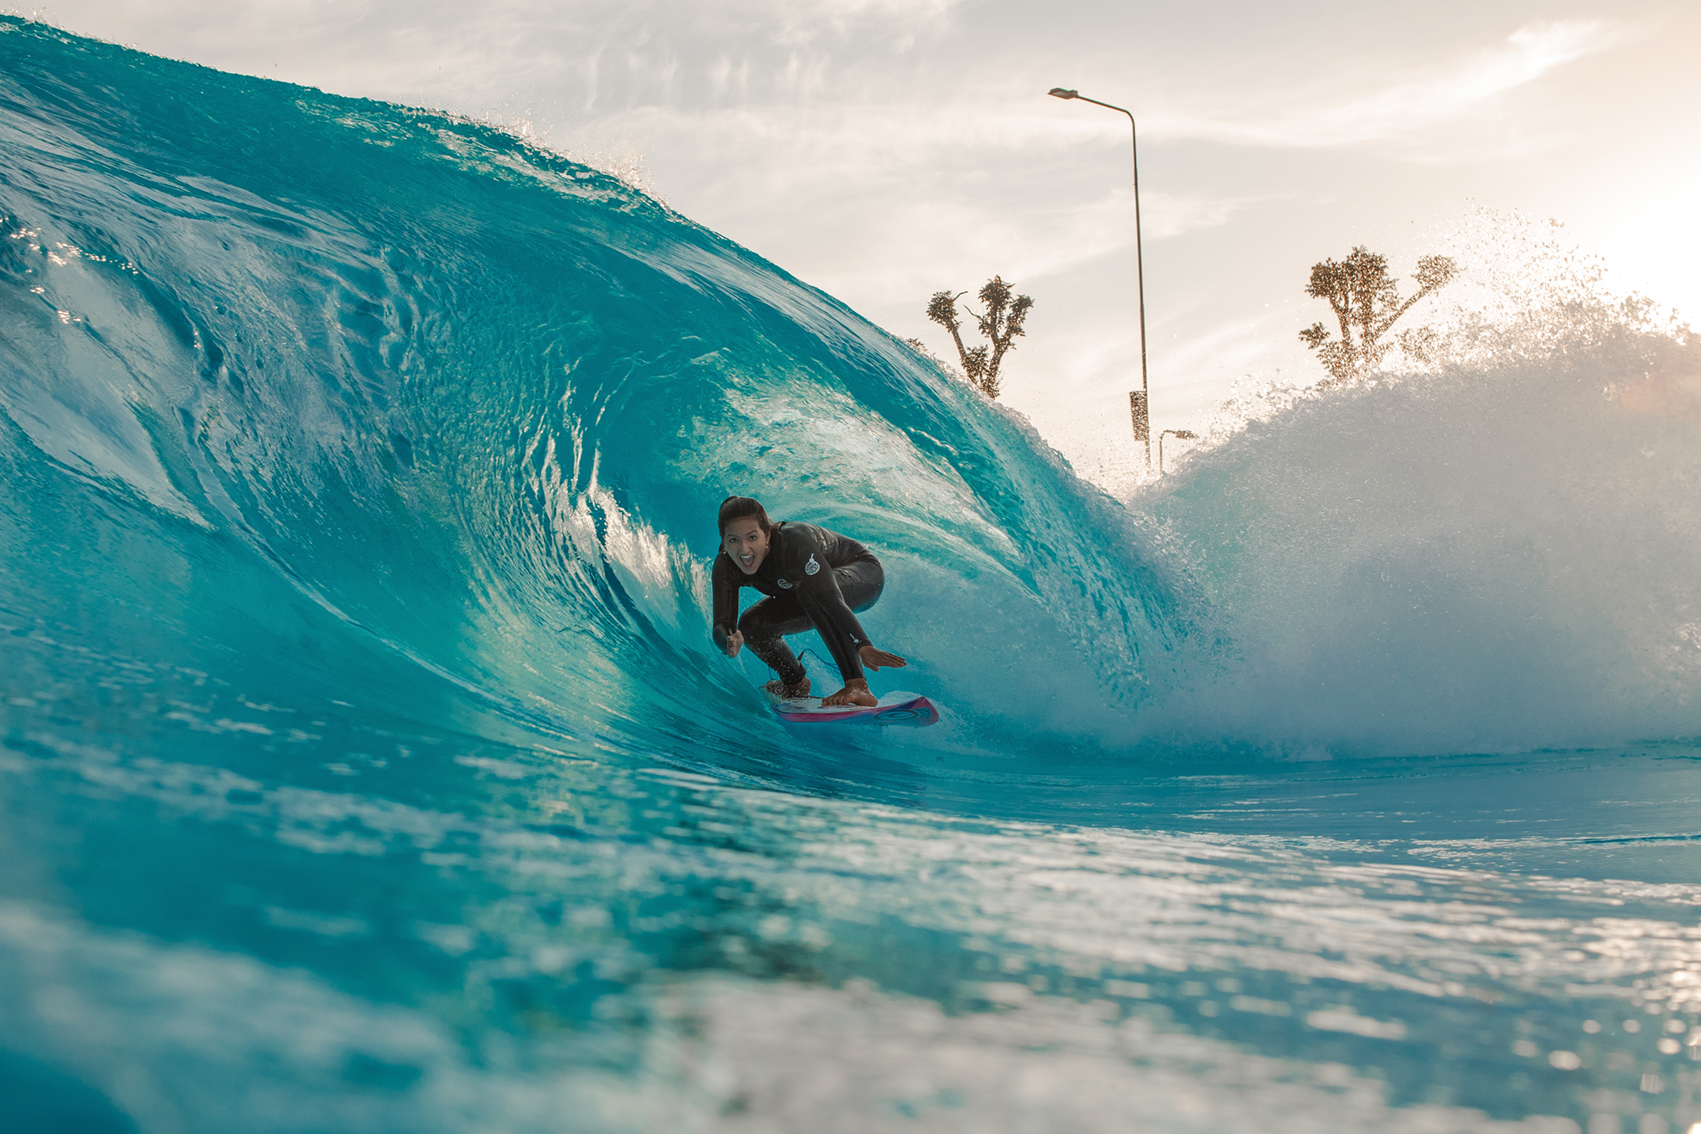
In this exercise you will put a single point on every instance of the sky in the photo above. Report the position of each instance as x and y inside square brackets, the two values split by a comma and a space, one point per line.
[883, 150]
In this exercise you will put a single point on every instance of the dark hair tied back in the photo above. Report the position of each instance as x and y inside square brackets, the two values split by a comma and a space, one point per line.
[738, 507]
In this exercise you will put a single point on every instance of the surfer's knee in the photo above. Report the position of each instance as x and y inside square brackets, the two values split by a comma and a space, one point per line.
[754, 627]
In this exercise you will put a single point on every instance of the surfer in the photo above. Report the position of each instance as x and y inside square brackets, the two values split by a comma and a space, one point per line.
[814, 579]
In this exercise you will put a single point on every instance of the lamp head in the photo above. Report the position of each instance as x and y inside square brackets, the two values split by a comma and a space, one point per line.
[1063, 92]
[1184, 434]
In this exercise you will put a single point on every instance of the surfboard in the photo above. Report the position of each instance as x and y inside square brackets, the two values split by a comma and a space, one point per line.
[911, 709]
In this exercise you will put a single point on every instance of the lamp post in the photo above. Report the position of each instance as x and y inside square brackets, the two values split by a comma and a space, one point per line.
[1139, 402]
[1179, 435]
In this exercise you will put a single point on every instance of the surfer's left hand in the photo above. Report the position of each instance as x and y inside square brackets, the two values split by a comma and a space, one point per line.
[874, 657]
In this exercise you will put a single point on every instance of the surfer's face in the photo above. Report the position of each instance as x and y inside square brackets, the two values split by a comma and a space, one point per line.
[746, 543]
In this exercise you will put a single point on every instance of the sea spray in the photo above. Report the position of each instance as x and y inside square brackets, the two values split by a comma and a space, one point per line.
[1491, 552]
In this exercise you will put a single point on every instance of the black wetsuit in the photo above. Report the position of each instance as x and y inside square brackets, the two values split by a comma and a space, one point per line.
[814, 579]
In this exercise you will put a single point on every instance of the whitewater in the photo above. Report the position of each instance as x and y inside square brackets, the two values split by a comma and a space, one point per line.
[366, 765]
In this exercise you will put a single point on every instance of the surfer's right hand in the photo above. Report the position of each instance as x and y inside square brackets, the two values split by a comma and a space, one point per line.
[734, 643]
[873, 657]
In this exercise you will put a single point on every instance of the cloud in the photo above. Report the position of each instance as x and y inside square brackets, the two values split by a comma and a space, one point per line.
[1529, 54]
[805, 17]
[1167, 215]
[878, 199]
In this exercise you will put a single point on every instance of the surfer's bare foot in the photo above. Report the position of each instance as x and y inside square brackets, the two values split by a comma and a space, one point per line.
[788, 692]
[855, 692]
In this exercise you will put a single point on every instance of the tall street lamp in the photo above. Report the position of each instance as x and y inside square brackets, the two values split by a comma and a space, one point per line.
[1139, 403]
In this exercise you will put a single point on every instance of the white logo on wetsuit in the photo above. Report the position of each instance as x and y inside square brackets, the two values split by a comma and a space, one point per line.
[783, 583]
[811, 567]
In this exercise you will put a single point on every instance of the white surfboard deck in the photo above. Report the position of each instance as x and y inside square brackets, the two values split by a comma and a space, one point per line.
[910, 709]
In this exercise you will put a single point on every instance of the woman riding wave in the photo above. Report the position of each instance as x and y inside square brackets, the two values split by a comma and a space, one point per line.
[814, 579]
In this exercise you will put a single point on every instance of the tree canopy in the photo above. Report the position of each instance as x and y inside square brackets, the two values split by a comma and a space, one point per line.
[1366, 303]
[1001, 324]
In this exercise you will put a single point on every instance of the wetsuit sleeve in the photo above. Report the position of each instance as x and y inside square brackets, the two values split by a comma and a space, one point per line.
[825, 604]
[724, 586]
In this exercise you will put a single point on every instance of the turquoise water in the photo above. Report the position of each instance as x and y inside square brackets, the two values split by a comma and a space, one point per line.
[366, 765]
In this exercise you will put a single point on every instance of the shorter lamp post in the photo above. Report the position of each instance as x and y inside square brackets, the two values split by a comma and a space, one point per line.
[1179, 435]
